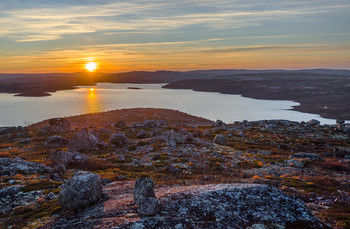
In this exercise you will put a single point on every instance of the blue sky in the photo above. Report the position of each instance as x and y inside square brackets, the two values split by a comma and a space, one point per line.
[60, 36]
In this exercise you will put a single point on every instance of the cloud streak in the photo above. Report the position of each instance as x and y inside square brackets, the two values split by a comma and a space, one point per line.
[56, 22]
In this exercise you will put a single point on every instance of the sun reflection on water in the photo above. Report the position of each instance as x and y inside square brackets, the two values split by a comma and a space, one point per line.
[92, 102]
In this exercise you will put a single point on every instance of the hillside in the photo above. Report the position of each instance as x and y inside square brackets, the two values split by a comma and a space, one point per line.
[270, 163]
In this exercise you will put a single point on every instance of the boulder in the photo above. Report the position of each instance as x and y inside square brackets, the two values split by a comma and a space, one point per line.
[13, 166]
[10, 191]
[118, 139]
[172, 170]
[154, 123]
[82, 190]
[309, 156]
[11, 129]
[340, 121]
[119, 124]
[345, 128]
[56, 141]
[60, 169]
[218, 123]
[295, 163]
[65, 158]
[313, 122]
[144, 197]
[220, 139]
[84, 141]
[228, 206]
[341, 152]
[172, 138]
[59, 125]
[142, 134]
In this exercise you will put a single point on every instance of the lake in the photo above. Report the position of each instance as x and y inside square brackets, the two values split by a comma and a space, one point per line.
[15, 110]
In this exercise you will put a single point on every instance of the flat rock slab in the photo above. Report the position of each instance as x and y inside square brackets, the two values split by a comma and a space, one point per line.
[13, 166]
[204, 206]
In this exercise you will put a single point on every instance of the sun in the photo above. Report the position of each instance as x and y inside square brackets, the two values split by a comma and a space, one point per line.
[91, 66]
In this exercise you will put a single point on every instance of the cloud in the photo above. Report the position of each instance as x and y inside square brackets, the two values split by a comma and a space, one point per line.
[49, 21]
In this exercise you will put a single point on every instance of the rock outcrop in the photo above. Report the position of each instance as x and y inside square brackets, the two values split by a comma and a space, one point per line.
[144, 197]
[82, 190]
[228, 206]
[13, 166]
[65, 158]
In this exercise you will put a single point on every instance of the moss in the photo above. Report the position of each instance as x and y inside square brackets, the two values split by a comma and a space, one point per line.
[161, 164]
[19, 217]
[160, 157]
[339, 212]
[40, 185]
[180, 160]
[249, 164]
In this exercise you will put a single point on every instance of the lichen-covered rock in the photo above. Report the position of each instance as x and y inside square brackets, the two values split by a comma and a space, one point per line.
[144, 197]
[13, 166]
[172, 137]
[310, 156]
[59, 125]
[84, 141]
[220, 139]
[228, 206]
[56, 141]
[118, 139]
[83, 189]
[65, 158]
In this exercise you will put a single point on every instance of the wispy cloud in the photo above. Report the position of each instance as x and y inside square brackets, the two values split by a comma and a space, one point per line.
[57, 21]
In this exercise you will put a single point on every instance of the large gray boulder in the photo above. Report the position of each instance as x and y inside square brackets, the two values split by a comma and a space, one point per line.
[13, 166]
[56, 141]
[84, 141]
[118, 139]
[65, 158]
[144, 197]
[228, 206]
[82, 190]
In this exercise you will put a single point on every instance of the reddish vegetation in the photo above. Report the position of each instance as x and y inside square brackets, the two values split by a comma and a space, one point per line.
[129, 116]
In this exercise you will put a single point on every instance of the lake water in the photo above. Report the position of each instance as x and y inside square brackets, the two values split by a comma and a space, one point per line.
[106, 96]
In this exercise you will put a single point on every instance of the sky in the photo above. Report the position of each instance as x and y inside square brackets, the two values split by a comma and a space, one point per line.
[41, 36]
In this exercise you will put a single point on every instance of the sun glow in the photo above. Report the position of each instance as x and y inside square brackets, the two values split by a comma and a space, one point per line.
[91, 66]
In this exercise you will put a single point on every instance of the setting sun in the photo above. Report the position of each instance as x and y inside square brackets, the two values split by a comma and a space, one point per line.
[91, 66]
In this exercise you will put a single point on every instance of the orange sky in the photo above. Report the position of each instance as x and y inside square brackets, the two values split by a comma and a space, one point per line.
[42, 36]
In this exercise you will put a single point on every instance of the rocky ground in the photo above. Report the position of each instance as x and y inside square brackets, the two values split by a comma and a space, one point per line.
[264, 174]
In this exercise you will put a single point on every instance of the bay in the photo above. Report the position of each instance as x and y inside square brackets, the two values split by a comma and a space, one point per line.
[15, 110]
